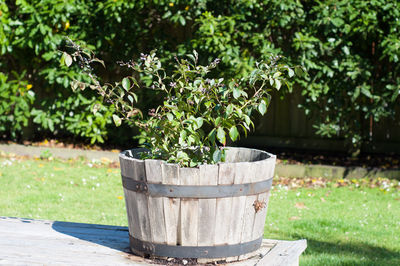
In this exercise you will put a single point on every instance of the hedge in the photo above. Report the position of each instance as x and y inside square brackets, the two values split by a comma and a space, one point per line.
[350, 49]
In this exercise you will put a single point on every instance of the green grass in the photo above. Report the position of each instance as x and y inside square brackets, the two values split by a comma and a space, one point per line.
[61, 191]
[343, 226]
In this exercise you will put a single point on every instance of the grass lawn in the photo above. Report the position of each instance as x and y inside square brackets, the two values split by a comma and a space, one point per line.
[345, 225]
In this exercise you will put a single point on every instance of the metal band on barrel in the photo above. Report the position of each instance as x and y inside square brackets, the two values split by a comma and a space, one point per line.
[199, 192]
[175, 251]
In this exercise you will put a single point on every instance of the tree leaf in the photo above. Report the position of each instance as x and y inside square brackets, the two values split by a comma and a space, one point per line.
[229, 109]
[117, 120]
[96, 108]
[262, 108]
[211, 137]
[247, 120]
[233, 133]
[221, 135]
[236, 92]
[277, 84]
[299, 71]
[290, 72]
[217, 155]
[74, 85]
[126, 84]
[170, 116]
[366, 92]
[199, 121]
[67, 59]
[130, 98]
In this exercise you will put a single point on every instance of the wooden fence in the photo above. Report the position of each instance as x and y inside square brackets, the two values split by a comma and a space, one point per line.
[285, 125]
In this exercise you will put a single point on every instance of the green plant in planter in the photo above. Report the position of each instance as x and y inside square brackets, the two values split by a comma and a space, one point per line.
[197, 112]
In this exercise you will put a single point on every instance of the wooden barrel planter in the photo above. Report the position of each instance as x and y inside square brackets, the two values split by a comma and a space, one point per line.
[209, 212]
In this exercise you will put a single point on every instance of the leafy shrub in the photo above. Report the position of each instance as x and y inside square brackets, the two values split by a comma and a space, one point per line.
[16, 98]
[197, 111]
[73, 116]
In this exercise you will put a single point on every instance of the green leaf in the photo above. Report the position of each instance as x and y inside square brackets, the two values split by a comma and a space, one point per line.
[182, 136]
[236, 92]
[233, 133]
[211, 136]
[117, 120]
[290, 72]
[182, 155]
[66, 59]
[199, 121]
[130, 98]
[217, 121]
[299, 71]
[51, 125]
[217, 155]
[229, 109]
[182, 20]
[170, 116]
[366, 92]
[247, 120]
[221, 135]
[126, 84]
[276, 74]
[74, 85]
[278, 84]
[262, 108]
[346, 50]
[96, 108]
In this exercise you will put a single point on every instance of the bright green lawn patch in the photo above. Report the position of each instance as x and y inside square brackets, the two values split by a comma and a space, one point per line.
[343, 226]
[61, 191]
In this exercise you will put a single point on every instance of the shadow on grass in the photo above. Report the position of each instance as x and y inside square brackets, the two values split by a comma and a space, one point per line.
[115, 237]
[364, 254]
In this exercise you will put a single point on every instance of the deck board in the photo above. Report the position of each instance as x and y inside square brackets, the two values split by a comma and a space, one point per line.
[38, 242]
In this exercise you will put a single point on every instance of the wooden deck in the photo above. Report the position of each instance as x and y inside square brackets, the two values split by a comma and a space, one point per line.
[36, 242]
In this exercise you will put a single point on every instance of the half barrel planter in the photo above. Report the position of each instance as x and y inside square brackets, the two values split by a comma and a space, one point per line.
[208, 212]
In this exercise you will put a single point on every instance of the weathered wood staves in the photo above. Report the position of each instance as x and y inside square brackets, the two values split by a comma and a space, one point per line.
[213, 211]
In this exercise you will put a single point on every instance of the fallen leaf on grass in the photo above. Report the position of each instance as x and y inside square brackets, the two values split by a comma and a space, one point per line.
[300, 205]
[294, 218]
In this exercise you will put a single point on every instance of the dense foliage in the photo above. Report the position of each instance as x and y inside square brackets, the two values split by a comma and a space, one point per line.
[350, 49]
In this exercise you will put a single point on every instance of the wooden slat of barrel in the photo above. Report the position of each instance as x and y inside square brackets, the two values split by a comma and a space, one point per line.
[238, 207]
[259, 221]
[189, 208]
[246, 155]
[207, 210]
[231, 154]
[206, 227]
[226, 176]
[170, 176]
[142, 201]
[249, 213]
[130, 200]
[156, 206]
[264, 170]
